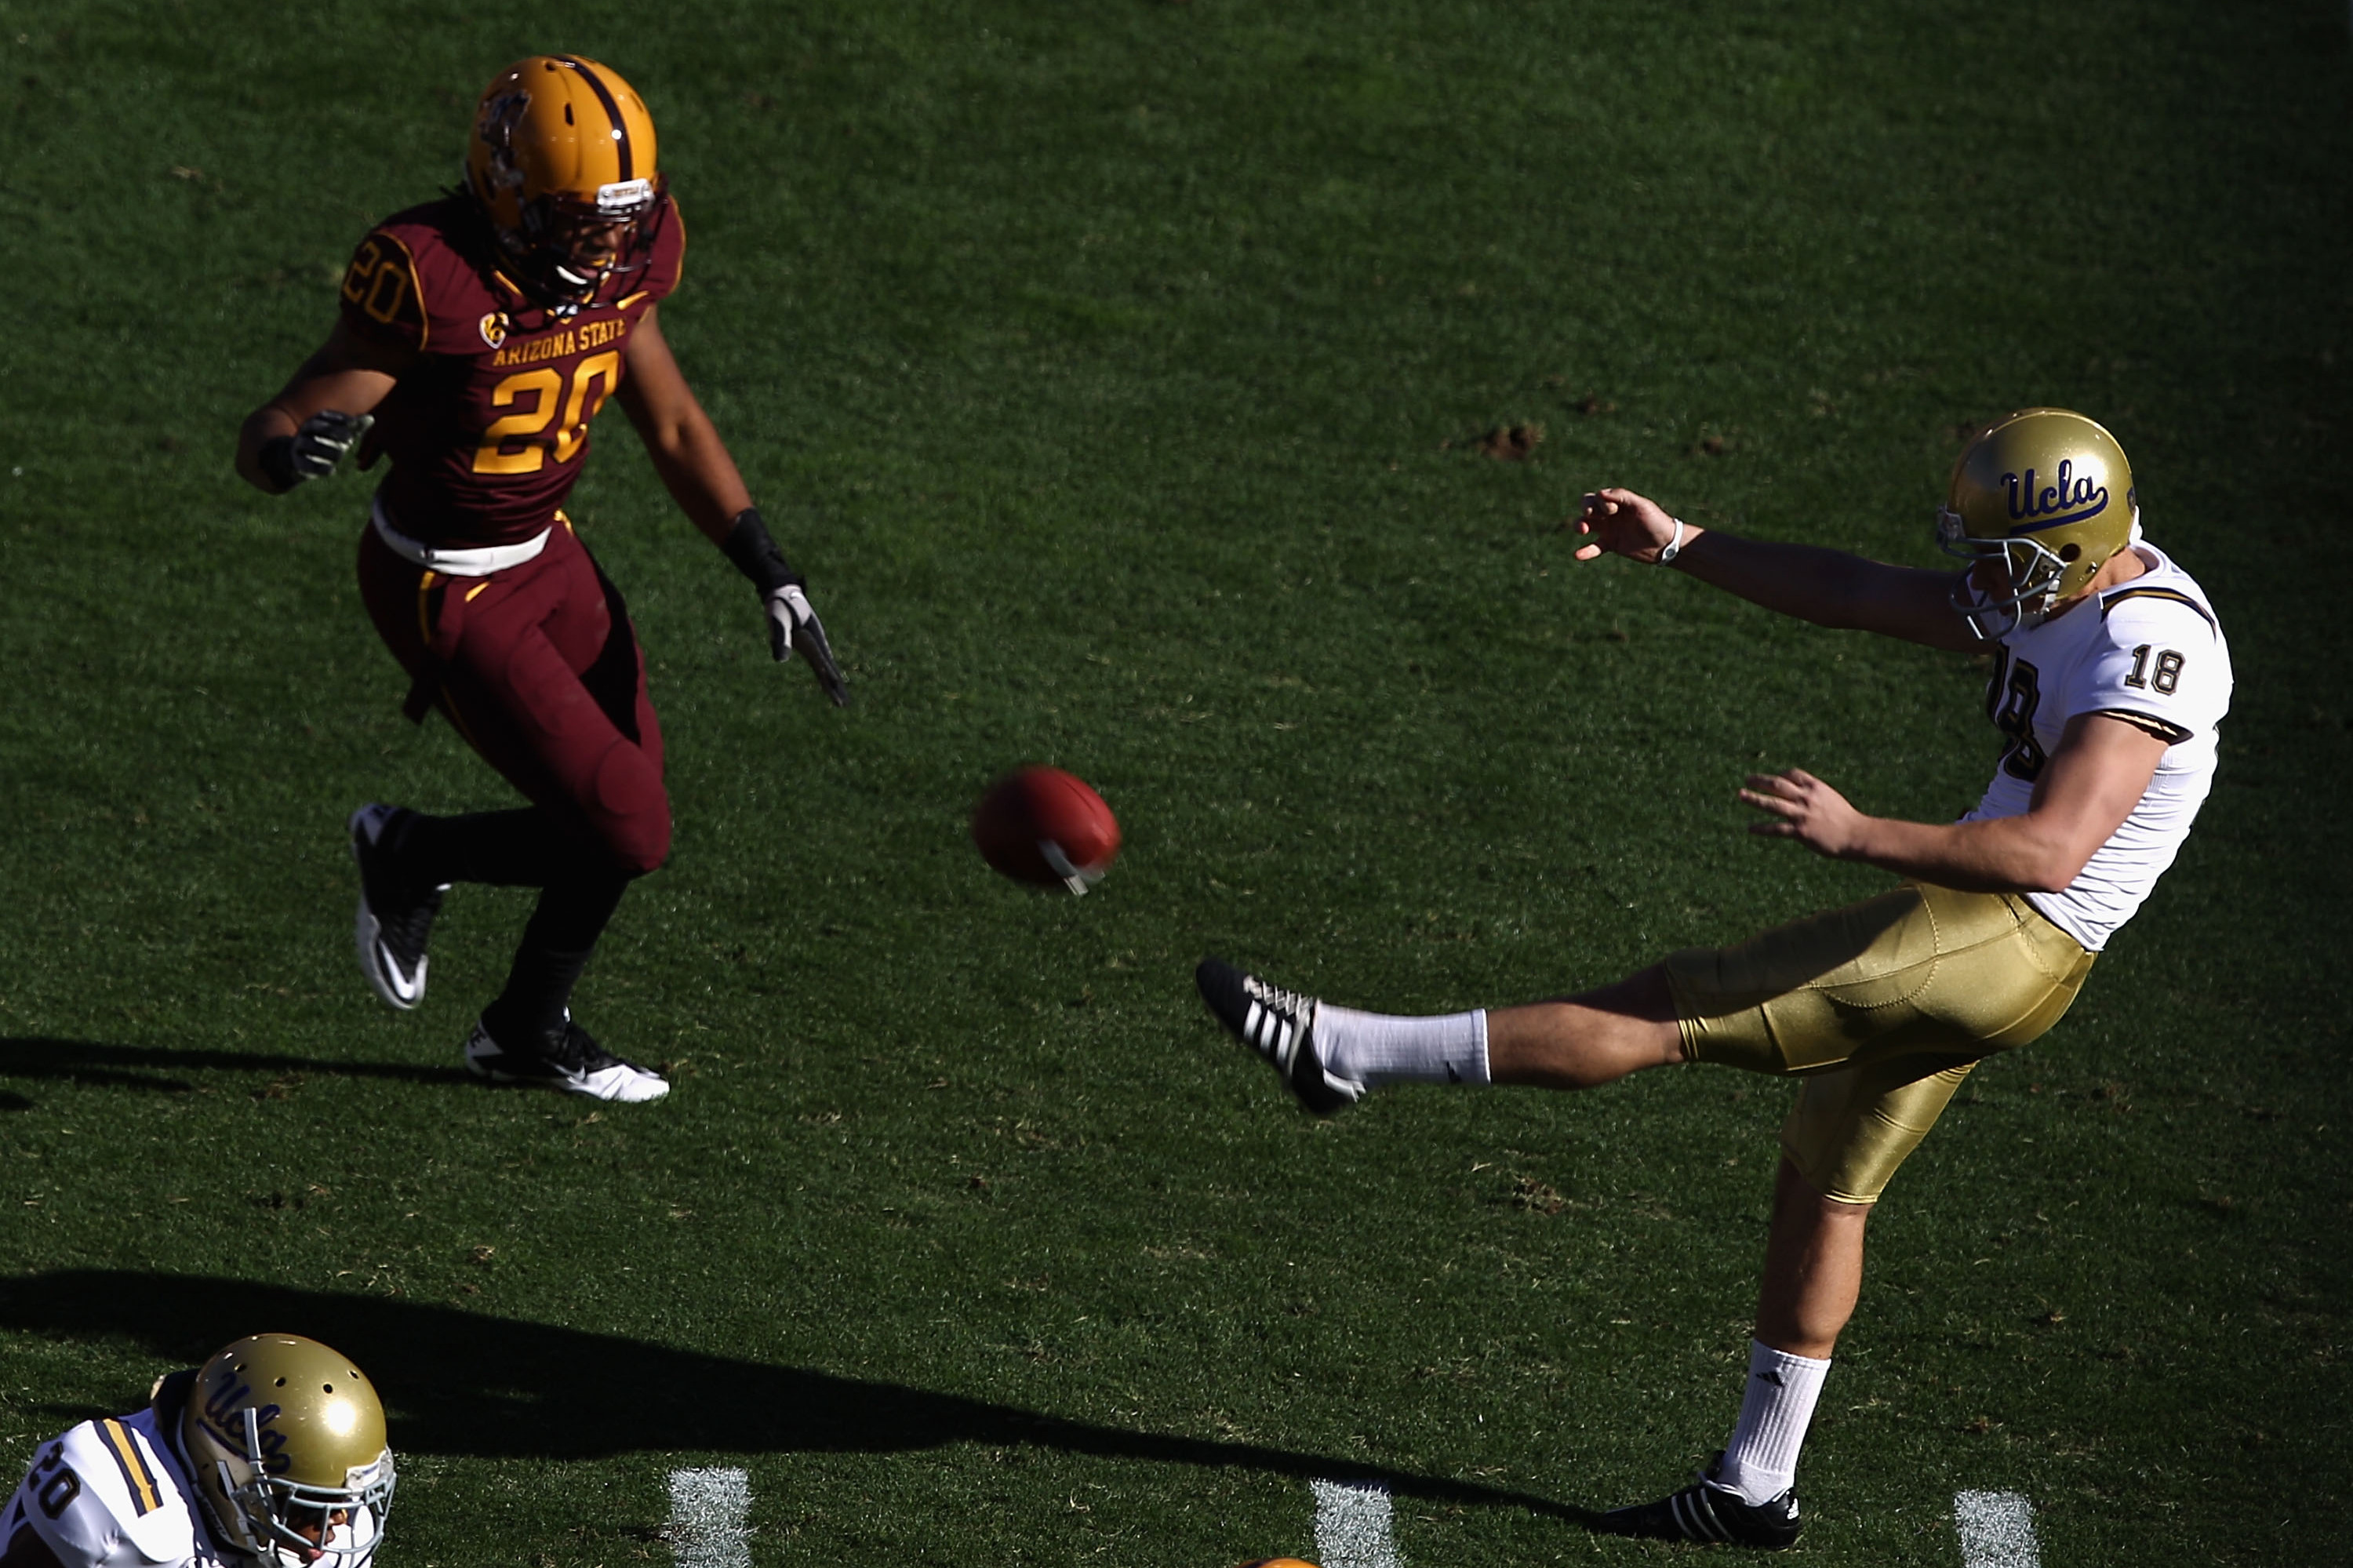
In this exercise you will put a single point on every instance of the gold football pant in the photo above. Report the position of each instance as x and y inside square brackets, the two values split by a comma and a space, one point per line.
[1882, 1008]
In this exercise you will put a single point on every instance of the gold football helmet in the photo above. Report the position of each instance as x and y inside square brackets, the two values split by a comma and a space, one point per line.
[2038, 503]
[286, 1438]
[562, 164]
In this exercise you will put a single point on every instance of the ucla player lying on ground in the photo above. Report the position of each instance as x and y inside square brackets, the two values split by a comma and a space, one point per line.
[271, 1453]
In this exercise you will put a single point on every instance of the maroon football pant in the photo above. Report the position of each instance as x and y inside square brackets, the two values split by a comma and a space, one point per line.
[538, 667]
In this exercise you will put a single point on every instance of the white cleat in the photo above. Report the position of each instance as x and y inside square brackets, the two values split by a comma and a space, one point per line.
[571, 1061]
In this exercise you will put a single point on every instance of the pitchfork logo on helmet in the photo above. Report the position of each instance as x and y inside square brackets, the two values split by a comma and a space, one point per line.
[2033, 508]
[562, 165]
[494, 128]
[286, 1441]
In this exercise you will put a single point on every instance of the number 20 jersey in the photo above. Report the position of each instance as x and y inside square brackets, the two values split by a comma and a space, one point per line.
[2149, 652]
[113, 1494]
[487, 432]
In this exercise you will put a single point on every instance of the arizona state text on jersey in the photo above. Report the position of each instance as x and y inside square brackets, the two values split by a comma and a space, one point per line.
[486, 434]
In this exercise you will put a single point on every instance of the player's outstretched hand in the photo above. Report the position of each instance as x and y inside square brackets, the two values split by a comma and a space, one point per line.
[1620, 522]
[793, 626]
[1796, 805]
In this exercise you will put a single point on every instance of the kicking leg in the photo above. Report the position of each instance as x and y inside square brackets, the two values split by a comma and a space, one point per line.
[1330, 1055]
[1593, 1038]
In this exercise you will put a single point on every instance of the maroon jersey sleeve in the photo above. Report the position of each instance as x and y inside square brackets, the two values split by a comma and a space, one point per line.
[411, 283]
[381, 297]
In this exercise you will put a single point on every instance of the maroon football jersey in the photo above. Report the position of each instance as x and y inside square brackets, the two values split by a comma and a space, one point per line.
[488, 434]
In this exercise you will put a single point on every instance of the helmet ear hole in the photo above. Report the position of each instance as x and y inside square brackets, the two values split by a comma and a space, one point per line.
[2071, 553]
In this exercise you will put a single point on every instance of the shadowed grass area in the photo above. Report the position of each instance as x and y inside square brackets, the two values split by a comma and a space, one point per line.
[1119, 374]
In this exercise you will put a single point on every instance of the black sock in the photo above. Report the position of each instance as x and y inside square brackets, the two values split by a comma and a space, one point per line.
[509, 849]
[557, 946]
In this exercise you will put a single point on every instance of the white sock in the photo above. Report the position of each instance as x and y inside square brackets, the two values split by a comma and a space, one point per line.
[1377, 1048]
[1761, 1463]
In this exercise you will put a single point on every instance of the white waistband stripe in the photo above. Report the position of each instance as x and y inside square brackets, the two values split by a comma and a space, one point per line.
[474, 562]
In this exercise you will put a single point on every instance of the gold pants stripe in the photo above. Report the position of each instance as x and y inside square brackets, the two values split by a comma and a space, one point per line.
[1882, 1008]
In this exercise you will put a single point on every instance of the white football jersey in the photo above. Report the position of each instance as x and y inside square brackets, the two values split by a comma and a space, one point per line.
[112, 1494]
[2149, 651]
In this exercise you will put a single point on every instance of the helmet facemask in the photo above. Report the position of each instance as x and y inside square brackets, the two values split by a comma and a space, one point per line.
[2030, 570]
[285, 1522]
[572, 254]
[2036, 576]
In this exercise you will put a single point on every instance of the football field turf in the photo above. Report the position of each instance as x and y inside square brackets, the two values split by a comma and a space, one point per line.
[1128, 379]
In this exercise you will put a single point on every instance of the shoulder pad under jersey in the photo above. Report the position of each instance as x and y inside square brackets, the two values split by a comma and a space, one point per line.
[414, 281]
[2136, 602]
[667, 262]
[2159, 659]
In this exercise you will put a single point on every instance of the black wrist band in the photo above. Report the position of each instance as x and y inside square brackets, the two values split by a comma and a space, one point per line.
[276, 461]
[755, 555]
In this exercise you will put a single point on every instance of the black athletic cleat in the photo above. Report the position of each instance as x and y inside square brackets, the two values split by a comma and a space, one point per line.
[1279, 1026]
[571, 1061]
[1708, 1512]
[395, 915]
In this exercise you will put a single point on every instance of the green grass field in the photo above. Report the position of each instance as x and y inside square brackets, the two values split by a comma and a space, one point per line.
[1116, 373]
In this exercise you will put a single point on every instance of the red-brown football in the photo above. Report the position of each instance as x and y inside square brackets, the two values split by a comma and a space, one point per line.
[1043, 825]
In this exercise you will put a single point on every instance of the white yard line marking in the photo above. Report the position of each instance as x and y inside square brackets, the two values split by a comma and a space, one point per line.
[1997, 1530]
[1352, 1526]
[707, 1510]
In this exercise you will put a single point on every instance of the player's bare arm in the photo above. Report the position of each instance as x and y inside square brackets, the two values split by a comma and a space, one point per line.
[1828, 588]
[703, 479]
[319, 412]
[680, 438]
[2085, 792]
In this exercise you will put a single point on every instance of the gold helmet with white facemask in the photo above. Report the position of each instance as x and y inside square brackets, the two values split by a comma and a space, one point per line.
[2047, 496]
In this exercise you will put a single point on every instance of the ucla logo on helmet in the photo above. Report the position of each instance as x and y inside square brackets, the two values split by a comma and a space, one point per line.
[2071, 498]
[223, 1414]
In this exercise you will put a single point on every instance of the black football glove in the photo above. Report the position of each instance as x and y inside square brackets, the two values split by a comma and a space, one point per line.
[792, 625]
[314, 449]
